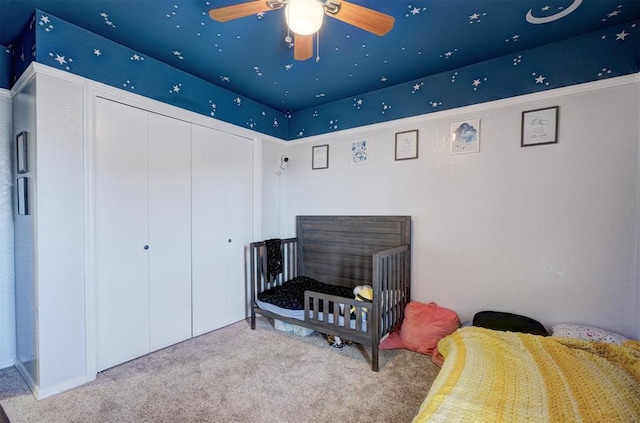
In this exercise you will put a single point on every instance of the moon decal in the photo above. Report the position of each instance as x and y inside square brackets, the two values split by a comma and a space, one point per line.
[536, 20]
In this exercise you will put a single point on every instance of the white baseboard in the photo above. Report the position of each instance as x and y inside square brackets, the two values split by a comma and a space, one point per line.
[25, 375]
[7, 363]
[56, 389]
[53, 390]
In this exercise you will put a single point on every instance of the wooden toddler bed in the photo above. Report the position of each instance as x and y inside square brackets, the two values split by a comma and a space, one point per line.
[329, 257]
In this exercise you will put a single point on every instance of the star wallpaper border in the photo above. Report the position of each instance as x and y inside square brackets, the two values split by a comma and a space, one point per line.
[54, 42]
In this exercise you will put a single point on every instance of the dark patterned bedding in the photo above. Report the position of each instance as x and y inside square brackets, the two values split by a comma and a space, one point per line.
[290, 295]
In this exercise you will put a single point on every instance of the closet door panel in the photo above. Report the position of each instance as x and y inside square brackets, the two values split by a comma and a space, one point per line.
[239, 224]
[209, 241]
[169, 231]
[121, 232]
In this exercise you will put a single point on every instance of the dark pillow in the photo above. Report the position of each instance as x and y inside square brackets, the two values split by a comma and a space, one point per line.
[510, 322]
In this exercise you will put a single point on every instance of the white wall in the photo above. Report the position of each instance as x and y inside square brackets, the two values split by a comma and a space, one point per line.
[273, 189]
[547, 231]
[7, 302]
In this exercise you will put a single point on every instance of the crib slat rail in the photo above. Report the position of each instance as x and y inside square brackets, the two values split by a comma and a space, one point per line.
[326, 314]
[260, 280]
[392, 285]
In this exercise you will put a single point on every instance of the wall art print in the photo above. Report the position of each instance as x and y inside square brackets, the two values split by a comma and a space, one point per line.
[540, 126]
[23, 196]
[320, 157]
[358, 153]
[21, 152]
[407, 145]
[465, 136]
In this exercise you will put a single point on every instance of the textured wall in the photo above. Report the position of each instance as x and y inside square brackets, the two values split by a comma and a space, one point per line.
[547, 231]
[7, 304]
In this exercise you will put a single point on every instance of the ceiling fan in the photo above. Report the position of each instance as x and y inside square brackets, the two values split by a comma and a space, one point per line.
[304, 18]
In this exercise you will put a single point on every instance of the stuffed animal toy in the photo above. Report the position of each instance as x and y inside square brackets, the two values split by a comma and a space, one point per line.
[363, 293]
[337, 342]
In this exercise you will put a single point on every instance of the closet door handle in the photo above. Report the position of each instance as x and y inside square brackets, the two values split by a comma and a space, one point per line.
[146, 247]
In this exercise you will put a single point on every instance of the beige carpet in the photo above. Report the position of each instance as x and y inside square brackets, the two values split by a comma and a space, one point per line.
[238, 375]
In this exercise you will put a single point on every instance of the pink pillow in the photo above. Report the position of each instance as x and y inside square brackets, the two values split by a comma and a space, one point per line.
[423, 326]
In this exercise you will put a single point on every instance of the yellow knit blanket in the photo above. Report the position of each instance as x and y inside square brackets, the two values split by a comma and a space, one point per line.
[492, 376]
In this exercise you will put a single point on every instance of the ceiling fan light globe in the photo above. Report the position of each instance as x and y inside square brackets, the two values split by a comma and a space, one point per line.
[304, 17]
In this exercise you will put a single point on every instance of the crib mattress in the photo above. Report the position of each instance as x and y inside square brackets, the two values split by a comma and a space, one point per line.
[289, 297]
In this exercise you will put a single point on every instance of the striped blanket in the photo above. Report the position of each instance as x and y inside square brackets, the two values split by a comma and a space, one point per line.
[491, 376]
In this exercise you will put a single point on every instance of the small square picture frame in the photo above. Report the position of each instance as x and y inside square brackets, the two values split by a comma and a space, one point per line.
[21, 153]
[320, 157]
[465, 136]
[22, 187]
[407, 145]
[540, 126]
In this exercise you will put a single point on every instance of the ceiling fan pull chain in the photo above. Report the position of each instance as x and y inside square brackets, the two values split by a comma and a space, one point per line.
[317, 46]
[288, 38]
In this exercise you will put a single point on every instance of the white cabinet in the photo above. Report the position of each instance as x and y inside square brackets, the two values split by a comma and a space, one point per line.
[142, 170]
[173, 217]
[222, 199]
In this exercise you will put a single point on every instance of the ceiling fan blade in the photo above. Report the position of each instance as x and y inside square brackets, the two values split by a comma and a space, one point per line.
[364, 18]
[302, 47]
[235, 11]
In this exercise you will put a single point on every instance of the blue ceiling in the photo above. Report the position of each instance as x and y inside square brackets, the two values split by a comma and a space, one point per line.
[249, 56]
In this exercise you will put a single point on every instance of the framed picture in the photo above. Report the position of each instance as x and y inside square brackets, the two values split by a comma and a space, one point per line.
[465, 136]
[23, 195]
[320, 157]
[540, 126]
[358, 153]
[21, 152]
[407, 145]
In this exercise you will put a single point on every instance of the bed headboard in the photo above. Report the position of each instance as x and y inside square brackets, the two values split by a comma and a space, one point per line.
[338, 250]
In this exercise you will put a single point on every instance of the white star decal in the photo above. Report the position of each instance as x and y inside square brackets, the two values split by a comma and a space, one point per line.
[476, 82]
[544, 9]
[176, 89]
[474, 16]
[97, 52]
[614, 13]
[540, 79]
[60, 59]
[415, 11]
[622, 35]
[44, 19]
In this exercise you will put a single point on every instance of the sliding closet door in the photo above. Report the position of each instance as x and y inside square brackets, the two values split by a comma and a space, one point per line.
[169, 231]
[209, 229]
[121, 232]
[239, 223]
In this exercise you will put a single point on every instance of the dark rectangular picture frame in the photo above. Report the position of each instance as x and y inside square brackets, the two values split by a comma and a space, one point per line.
[23, 196]
[320, 157]
[407, 145]
[21, 152]
[540, 126]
